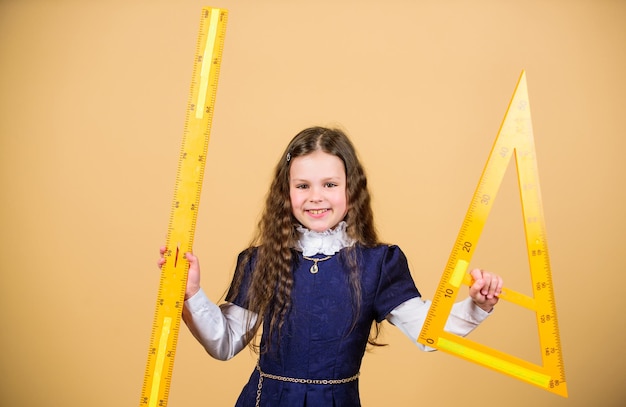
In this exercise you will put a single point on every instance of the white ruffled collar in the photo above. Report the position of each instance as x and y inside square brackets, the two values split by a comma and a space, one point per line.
[327, 243]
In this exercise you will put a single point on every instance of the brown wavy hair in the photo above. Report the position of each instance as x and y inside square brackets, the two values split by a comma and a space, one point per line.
[269, 294]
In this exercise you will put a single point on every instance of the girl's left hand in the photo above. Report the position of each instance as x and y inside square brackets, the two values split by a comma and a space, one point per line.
[485, 289]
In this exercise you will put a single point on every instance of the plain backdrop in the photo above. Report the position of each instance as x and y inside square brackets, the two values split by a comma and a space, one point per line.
[92, 103]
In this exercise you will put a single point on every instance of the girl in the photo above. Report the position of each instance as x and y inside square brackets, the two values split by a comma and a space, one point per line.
[319, 282]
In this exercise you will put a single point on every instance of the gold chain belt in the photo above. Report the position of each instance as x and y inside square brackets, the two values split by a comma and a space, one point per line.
[263, 375]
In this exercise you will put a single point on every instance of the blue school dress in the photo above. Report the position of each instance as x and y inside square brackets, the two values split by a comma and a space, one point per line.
[316, 360]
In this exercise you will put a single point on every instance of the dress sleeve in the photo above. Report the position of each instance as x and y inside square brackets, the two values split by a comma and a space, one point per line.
[395, 284]
[238, 291]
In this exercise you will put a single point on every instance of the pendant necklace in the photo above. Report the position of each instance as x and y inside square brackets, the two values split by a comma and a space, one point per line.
[314, 268]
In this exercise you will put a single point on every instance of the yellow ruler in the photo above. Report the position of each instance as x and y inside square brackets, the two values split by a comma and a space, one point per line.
[515, 138]
[182, 224]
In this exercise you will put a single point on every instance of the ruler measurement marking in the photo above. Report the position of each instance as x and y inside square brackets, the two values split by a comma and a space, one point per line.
[183, 214]
[514, 139]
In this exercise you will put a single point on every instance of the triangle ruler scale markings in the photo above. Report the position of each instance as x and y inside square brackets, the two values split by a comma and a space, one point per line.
[184, 209]
[514, 139]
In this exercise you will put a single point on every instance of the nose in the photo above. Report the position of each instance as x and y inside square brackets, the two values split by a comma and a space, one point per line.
[316, 194]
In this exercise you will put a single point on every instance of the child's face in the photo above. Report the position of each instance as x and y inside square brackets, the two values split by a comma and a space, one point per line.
[317, 188]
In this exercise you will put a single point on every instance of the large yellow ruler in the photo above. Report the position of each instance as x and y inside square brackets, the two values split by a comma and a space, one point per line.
[515, 138]
[182, 224]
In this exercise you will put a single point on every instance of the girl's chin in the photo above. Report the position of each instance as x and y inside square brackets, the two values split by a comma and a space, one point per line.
[319, 228]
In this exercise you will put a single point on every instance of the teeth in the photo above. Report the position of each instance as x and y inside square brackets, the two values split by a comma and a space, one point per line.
[317, 211]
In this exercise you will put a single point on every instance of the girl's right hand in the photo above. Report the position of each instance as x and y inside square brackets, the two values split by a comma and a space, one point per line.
[193, 274]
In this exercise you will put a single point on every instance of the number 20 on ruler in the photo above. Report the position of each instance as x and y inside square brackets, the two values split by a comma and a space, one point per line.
[515, 138]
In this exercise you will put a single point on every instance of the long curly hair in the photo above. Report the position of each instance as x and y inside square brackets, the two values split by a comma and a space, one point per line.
[269, 293]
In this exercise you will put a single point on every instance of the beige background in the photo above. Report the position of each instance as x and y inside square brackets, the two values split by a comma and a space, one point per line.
[92, 98]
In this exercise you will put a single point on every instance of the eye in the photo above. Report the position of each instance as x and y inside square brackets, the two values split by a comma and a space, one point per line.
[301, 186]
[330, 185]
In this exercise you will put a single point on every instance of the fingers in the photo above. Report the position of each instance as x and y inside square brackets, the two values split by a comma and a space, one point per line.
[191, 258]
[486, 289]
[193, 276]
[194, 264]
[161, 260]
[489, 285]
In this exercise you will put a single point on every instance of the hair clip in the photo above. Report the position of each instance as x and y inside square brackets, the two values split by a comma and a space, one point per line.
[288, 157]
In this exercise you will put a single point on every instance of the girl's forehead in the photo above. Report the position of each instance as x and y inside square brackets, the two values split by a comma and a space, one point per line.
[317, 164]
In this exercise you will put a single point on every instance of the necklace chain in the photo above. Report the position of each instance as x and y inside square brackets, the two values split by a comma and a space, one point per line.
[314, 268]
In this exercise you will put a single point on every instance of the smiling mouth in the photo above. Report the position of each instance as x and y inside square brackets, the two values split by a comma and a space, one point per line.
[317, 211]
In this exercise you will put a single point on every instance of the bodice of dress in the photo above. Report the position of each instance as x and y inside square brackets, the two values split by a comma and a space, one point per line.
[321, 339]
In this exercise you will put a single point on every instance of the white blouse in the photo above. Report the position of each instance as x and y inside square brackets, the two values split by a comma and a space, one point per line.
[222, 329]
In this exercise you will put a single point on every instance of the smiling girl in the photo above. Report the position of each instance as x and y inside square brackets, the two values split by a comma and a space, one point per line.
[319, 282]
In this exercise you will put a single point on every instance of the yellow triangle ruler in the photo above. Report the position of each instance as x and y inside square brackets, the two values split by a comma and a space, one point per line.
[182, 224]
[515, 138]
